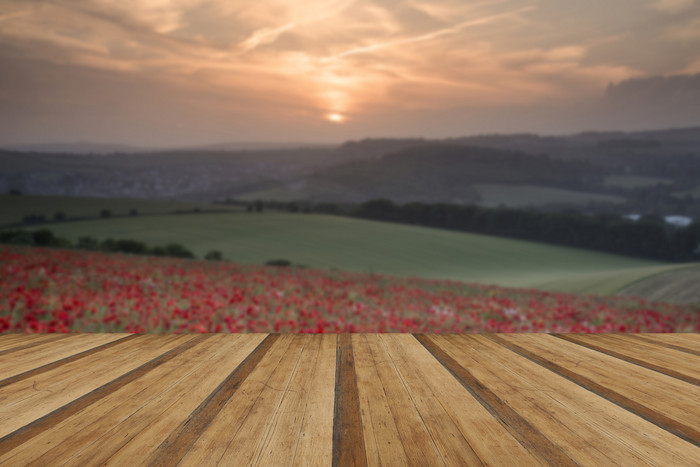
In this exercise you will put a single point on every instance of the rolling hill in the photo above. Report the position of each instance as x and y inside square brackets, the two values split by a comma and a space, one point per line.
[329, 242]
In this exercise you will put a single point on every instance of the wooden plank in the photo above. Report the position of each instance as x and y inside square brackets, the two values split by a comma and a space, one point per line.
[665, 401]
[419, 445]
[382, 439]
[395, 399]
[453, 447]
[71, 351]
[93, 423]
[30, 400]
[653, 356]
[689, 343]
[533, 440]
[247, 444]
[348, 440]
[188, 379]
[9, 341]
[315, 446]
[240, 422]
[182, 438]
[33, 341]
[590, 429]
[284, 428]
[486, 435]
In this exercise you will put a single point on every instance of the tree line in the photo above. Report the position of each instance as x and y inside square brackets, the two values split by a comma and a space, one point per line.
[649, 237]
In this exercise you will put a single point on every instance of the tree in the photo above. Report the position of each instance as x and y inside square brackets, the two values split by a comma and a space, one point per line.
[214, 255]
[105, 213]
[59, 217]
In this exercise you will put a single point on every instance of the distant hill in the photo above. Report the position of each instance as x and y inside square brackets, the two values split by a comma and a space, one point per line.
[596, 171]
[434, 173]
[79, 147]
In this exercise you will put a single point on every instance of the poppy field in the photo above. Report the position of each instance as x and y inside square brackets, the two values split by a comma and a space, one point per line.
[50, 290]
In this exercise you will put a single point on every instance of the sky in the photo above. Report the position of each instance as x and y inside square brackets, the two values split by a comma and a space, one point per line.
[183, 72]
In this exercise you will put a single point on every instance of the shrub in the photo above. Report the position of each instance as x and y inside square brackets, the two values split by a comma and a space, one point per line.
[279, 262]
[158, 251]
[17, 237]
[214, 255]
[108, 245]
[133, 212]
[133, 247]
[44, 237]
[178, 251]
[87, 243]
[34, 219]
[105, 213]
[59, 217]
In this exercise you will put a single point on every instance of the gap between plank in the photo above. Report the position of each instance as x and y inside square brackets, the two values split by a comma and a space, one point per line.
[27, 432]
[665, 344]
[181, 440]
[526, 434]
[650, 366]
[672, 426]
[63, 361]
[348, 436]
[55, 338]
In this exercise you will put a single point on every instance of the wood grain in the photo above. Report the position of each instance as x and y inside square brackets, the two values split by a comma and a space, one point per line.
[362, 399]
[665, 401]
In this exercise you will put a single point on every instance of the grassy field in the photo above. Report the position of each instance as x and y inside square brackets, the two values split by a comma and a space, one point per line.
[527, 195]
[14, 208]
[635, 181]
[330, 242]
[677, 285]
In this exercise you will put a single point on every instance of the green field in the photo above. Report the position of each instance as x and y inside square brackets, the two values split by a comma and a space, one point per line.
[635, 181]
[679, 284]
[330, 242]
[14, 208]
[494, 195]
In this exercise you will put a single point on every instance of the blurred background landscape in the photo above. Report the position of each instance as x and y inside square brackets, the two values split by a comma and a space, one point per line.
[512, 144]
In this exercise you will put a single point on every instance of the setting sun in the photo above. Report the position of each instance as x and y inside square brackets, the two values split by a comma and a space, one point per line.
[335, 118]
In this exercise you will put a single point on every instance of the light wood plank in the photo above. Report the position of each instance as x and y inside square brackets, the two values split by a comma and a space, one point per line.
[453, 446]
[28, 400]
[684, 340]
[382, 439]
[249, 403]
[28, 341]
[665, 395]
[315, 446]
[9, 341]
[82, 429]
[282, 434]
[590, 429]
[41, 355]
[489, 438]
[195, 374]
[255, 428]
[668, 361]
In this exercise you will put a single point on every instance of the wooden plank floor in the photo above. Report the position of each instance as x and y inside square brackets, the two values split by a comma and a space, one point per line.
[363, 399]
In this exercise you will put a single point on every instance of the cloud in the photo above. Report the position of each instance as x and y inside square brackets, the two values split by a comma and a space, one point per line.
[366, 58]
[265, 36]
[424, 37]
[673, 6]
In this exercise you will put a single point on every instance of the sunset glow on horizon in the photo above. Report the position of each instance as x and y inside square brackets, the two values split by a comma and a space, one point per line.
[176, 71]
[335, 118]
